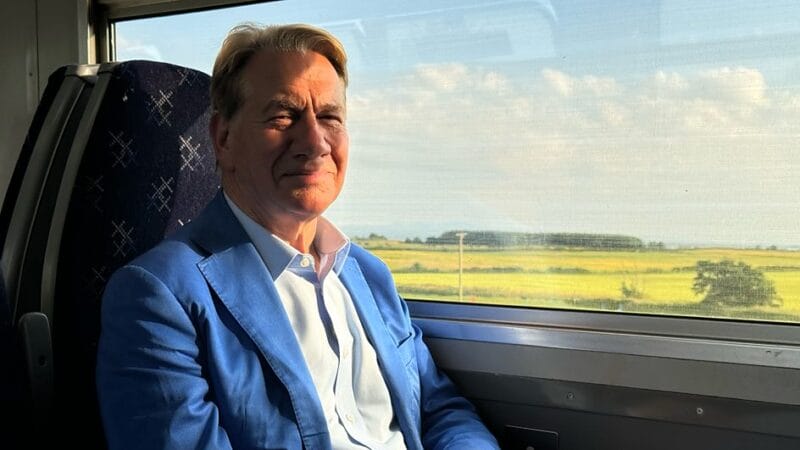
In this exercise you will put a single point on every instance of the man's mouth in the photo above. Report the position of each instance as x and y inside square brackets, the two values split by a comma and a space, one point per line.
[308, 175]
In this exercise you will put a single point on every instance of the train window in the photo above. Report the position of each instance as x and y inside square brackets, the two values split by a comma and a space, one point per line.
[633, 156]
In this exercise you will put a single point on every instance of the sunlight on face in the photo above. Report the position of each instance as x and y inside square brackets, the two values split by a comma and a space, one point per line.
[285, 154]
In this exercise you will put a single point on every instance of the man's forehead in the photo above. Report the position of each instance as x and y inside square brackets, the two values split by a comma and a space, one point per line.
[291, 65]
[282, 73]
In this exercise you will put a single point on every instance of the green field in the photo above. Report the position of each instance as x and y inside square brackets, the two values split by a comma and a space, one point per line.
[584, 279]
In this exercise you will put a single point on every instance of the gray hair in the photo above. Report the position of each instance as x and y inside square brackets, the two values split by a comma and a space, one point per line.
[244, 40]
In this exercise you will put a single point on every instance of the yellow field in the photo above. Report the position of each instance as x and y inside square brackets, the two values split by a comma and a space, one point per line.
[584, 279]
[445, 259]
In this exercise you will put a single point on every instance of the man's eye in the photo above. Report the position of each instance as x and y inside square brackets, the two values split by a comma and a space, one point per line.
[331, 118]
[281, 120]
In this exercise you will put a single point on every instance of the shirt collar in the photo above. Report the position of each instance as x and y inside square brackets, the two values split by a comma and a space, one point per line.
[277, 254]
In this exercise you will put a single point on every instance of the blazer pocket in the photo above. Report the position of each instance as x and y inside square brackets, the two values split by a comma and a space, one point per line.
[408, 355]
[406, 348]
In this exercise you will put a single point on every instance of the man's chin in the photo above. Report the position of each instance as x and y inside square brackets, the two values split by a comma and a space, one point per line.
[311, 203]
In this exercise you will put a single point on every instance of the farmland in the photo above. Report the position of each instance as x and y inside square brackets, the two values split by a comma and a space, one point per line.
[660, 279]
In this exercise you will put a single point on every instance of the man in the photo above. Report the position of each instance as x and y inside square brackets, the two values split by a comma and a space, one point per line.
[259, 325]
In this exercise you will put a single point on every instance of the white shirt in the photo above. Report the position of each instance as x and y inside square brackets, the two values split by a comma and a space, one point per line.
[342, 362]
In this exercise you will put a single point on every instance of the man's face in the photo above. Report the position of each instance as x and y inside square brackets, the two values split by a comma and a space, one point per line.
[283, 154]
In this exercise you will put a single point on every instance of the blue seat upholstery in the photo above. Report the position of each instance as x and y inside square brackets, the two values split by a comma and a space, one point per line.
[140, 166]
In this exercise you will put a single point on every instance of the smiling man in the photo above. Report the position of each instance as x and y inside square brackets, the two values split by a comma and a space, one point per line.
[260, 325]
[283, 154]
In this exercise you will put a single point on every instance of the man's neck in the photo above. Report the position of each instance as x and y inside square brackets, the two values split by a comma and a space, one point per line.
[295, 231]
[301, 236]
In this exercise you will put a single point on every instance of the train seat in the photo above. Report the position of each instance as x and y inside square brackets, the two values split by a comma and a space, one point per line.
[141, 165]
[26, 207]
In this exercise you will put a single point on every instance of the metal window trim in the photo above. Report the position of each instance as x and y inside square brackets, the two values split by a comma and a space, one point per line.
[721, 341]
[116, 10]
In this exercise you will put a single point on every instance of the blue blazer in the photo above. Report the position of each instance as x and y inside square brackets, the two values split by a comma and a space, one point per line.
[196, 352]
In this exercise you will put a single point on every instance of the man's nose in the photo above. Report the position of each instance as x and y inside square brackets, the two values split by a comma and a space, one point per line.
[310, 140]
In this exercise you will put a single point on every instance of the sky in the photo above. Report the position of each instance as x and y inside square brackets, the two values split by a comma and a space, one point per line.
[674, 121]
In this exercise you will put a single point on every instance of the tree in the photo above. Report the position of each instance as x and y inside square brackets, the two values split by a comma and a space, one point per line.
[728, 283]
[631, 290]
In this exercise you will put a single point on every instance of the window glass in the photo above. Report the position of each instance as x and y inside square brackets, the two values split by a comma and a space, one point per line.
[633, 156]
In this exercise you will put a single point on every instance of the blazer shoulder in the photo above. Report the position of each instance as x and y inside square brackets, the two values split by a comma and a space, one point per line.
[379, 279]
[174, 258]
[368, 261]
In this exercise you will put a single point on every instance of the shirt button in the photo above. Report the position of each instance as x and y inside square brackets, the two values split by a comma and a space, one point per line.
[349, 418]
[305, 262]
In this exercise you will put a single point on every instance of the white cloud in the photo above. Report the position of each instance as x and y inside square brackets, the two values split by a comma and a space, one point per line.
[556, 120]
[567, 86]
[128, 49]
[538, 148]
[444, 77]
[668, 83]
[737, 85]
[437, 78]
[558, 81]
[452, 105]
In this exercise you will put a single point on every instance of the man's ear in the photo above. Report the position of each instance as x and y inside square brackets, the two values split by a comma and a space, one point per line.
[219, 129]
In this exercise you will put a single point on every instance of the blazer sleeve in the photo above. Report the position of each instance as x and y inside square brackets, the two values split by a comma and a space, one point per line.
[150, 384]
[449, 421]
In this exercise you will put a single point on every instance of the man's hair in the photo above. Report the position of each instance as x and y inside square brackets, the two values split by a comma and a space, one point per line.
[244, 40]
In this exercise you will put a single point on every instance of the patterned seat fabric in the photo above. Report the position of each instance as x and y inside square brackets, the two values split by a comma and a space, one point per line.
[147, 169]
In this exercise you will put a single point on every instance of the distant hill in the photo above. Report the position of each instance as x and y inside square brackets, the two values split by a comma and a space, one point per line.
[514, 239]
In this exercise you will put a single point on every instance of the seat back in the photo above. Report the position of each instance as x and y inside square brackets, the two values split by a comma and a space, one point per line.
[139, 166]
[27, 205]
[9, 382]
[146, 168]
[45, 103]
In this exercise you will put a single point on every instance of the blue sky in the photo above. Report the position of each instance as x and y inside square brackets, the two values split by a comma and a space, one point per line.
[673, 121]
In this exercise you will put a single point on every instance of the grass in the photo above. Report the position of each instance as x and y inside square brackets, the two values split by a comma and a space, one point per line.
[585, 279]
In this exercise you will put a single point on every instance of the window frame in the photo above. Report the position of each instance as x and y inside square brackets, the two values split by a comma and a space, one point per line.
[740, 342]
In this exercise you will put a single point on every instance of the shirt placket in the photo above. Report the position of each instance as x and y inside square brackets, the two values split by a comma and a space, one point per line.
[345, 397]
[302, 267]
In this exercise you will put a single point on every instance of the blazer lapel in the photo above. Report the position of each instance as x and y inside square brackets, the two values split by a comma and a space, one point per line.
[388, 356]
[236, 273]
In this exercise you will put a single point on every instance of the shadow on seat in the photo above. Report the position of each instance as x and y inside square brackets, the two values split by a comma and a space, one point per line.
[141, 165]
[27, 379]
[27, 207]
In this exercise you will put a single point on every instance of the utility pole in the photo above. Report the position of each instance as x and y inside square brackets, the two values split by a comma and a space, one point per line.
[461, 265]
